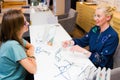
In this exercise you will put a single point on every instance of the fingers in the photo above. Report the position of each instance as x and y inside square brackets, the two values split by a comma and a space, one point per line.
[76, 48]
[65, 44]
[30, 52]
[68, 43]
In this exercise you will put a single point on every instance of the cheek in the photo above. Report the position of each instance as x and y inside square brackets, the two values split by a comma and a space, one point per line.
[101, 21]
[25, 28]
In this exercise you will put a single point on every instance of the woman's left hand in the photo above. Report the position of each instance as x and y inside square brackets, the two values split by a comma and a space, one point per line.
[81, 50]
[77, 48]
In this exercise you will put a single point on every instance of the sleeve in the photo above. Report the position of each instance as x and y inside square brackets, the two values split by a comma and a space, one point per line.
[24, 42]
[104, 55]
[17, 53]
[84, 41]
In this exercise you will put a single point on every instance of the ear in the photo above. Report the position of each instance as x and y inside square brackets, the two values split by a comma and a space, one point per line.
[108, 18]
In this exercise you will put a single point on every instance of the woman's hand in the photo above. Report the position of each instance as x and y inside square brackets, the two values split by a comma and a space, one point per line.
[77, 48]
[67, 43]
[81, 50]
[29, 49]
[30, 52]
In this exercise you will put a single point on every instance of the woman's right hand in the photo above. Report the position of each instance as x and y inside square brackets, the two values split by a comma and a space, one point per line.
[29, 49]
[67, 43]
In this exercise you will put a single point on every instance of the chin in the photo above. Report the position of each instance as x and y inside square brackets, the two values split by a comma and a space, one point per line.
[97, 24]
[25, 31]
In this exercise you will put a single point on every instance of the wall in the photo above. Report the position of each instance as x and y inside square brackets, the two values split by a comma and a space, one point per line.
[114, 3]
[61, 7]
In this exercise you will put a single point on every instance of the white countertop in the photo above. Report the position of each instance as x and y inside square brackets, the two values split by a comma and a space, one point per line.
[55, 62]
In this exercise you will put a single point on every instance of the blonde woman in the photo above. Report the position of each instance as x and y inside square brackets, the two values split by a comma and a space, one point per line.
[102, 39]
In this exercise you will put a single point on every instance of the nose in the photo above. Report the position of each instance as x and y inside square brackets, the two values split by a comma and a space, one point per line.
[28, 24]
[95, 17]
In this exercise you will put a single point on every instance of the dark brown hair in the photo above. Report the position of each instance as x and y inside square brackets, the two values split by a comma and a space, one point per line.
[12, 22]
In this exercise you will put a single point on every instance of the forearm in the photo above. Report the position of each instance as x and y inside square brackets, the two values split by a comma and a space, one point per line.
[29, 64]
[33, 65]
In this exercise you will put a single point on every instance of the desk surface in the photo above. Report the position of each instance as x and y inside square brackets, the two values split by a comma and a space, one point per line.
[55, 62]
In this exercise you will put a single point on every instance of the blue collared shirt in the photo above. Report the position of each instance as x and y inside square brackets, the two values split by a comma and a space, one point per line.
[101, 45]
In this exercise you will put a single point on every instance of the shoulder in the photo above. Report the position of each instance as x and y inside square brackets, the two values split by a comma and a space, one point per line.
[113, 35]
[10, 44]
[14, 43]
[112, 31]
[13, 49]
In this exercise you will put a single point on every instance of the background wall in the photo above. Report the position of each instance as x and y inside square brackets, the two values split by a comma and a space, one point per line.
[115, 3]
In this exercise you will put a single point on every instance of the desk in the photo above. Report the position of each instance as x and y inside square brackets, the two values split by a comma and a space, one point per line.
[55, 62]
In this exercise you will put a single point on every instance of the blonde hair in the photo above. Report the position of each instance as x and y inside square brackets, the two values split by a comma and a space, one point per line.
[108, 10]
